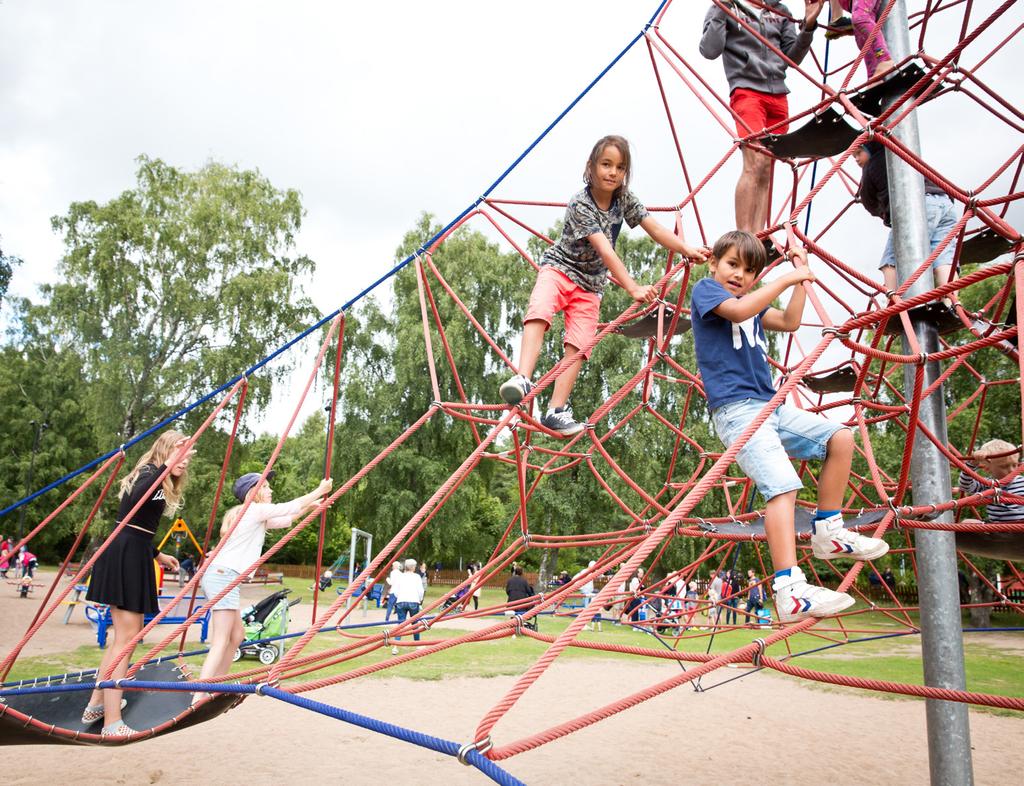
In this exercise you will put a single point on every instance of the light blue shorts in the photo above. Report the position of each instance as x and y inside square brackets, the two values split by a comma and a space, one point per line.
[217, 578]
[788, 432]
[941, 220]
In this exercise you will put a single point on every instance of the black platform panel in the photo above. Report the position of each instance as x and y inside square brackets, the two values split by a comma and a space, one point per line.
[842, 380]
[803, 523]
[994, 545]
[647, 327]
[828, 134]
[874, 99]
[984, 247]
[942, 316]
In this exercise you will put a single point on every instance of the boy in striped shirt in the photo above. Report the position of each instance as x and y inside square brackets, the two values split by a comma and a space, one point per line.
[997, 459]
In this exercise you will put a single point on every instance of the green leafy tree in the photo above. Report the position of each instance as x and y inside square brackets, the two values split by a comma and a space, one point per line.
[7, 265]
[40, 388]
[187, 278]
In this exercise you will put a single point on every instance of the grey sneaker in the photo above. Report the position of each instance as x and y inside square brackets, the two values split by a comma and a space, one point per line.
[837, 28]
[561, 421]
[515, 389]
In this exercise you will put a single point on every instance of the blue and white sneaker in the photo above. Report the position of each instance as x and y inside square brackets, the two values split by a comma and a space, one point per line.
[831, 540]
[515, 389]
[561, 421]
[797, 600]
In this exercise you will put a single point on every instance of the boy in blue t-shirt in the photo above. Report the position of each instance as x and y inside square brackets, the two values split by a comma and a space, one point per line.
[729, 319]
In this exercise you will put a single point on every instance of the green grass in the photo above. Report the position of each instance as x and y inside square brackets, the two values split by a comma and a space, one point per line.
[898, 659]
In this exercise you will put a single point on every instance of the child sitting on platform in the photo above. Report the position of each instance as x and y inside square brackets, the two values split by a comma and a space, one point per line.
[997, 459]
[574, 271]
[729, 319]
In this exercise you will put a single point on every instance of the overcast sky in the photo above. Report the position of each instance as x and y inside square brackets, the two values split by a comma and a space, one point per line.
[377, 112]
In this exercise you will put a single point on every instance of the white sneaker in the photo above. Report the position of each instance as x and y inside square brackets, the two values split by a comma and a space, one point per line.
[394, 650]
[796, 600]
[515, 389]
[831, 540]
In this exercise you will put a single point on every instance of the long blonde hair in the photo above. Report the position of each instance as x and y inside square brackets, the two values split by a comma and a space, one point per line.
[162, 449]
[229, 520]
[233, 513]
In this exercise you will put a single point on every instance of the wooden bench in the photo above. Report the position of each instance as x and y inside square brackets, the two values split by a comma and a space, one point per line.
[263, 577]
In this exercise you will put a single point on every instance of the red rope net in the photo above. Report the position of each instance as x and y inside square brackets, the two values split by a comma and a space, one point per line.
[849, 310]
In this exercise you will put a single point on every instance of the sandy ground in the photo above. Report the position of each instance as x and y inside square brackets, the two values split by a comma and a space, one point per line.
[729, 734]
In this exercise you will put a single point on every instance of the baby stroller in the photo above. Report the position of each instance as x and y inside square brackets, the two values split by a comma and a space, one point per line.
[459, 595]
[267, 619]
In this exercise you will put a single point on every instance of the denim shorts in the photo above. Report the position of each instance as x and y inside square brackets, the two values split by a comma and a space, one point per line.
[217, 578]
[788, 432]
[941, 220]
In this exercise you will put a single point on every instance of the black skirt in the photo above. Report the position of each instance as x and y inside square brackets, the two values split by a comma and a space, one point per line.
[124, 575]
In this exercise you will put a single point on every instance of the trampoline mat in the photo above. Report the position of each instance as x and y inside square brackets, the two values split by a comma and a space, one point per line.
[145, 710]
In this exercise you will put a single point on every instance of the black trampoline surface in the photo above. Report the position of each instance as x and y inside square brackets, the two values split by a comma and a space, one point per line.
[62, 712]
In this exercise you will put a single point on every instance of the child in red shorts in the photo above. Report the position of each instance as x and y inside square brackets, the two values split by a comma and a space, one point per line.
[574, 271]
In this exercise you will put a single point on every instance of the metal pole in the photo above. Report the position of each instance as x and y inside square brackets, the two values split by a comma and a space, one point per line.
[949, 734]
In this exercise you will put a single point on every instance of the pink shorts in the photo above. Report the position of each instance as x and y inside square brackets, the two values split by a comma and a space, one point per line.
[554, 292]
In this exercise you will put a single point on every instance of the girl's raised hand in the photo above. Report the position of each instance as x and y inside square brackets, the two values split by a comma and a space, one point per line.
[325, 487]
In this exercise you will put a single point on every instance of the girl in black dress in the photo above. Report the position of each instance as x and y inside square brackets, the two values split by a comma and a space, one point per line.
[124, 577]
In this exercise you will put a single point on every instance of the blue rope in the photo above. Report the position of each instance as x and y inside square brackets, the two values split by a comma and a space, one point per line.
[447, 747]
[393, 271]
[485, 765]
[814, 167]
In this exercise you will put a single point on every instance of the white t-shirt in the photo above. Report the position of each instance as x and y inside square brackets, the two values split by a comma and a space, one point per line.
[408, 587]
[588, 588]
[391, 580]
[245, 545]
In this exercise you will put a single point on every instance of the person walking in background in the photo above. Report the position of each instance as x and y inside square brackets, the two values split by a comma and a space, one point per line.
[396, 569]
[408, 588]
[6, 545]
[755, 599]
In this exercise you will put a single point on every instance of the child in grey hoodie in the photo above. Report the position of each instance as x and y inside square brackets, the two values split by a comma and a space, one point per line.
[757, 82]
